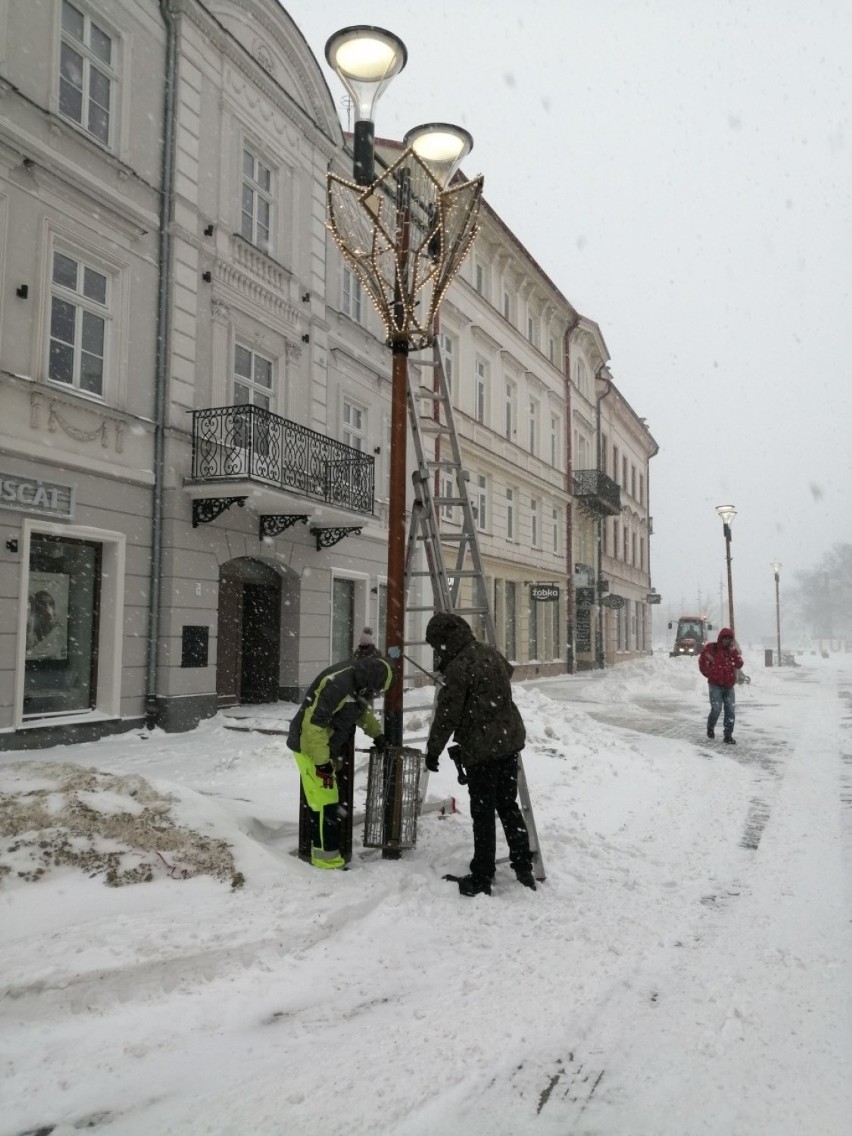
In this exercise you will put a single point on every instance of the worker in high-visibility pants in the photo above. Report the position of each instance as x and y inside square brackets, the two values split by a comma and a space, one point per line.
[336, 702]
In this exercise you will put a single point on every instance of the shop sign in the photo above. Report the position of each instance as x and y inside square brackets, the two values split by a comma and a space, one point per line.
[544, 593]
[616, 602]
[33, 495]
[653, 598]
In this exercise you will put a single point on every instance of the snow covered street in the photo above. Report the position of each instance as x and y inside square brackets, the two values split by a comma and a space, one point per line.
[684, 970]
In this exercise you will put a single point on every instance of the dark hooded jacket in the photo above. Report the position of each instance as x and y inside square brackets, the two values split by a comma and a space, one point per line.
[718, 665]
[336, 702]
[475, 702]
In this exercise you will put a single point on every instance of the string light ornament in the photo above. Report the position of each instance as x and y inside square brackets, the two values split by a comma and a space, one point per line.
[405, 237]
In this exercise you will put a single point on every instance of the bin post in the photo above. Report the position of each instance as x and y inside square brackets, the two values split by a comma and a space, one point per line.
[767, 657]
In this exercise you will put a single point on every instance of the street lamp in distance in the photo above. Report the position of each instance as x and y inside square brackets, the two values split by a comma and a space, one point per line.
[727, 513]
[776, 570]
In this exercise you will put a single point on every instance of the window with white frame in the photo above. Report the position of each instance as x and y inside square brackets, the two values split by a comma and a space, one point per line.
[79, 323]
[535, 536]
[509, 409]
[533, 330]
[252, 378]
[256, 219]
[556, 517]
[352, 295]
[641, 489]
[481, 502]
[633, 481]
[448, 351]
[552, 351]
[479, 277]
[510, 513]
[555, 432]
[534, 410]
[87, 76]
[448, 489]
[354, 424]
[480, 388]
[507, 304]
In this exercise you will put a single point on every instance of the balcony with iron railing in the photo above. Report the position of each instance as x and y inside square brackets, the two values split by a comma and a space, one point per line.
[597, 493]
[246, 448]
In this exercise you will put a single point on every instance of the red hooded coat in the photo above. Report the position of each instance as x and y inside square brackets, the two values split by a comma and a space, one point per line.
[718, 664]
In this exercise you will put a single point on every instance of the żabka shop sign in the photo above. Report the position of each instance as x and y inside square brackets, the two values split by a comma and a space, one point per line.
[32, 495]
[544, 593]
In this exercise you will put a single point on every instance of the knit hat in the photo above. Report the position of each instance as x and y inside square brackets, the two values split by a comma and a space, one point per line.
[366, 639]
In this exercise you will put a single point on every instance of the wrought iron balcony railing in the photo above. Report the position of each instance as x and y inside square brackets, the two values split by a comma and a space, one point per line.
[234, 443]
[597, 493]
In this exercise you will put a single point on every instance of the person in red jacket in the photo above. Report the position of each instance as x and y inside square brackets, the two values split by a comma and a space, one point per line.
[719, 663]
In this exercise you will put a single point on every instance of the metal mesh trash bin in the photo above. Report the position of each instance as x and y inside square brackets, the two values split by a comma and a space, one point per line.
[392, 798]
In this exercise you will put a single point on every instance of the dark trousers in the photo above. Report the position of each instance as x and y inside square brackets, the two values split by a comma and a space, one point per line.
[493, 787]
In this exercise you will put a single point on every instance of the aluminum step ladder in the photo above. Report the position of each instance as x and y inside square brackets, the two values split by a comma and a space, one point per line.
[440, 495]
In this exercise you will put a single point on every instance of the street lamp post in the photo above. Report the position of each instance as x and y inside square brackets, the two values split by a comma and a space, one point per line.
[776, 570]
[727, 513]
[405, 235]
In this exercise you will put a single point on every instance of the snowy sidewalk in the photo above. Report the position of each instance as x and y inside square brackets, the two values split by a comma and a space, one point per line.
[684, 971]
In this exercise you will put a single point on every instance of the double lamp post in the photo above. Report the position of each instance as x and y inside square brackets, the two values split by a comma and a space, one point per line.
[404, 234]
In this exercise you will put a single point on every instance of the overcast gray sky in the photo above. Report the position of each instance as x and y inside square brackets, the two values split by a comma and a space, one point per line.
[682, 170]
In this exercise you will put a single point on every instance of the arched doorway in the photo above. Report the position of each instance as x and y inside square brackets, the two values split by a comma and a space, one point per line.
[248, 661]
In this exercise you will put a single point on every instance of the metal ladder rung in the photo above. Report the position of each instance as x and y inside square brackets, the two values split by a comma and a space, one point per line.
[430, 426]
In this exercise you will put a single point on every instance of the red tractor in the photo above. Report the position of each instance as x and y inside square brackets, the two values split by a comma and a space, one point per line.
[691, 635]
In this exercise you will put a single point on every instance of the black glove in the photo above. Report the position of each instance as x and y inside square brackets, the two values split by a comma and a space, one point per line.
[380, 742]
[326, 775]
[432, 762]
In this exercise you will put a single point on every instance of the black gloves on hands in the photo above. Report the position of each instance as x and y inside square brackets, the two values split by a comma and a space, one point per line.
[432, 762]
[326, 775]
[380, 742]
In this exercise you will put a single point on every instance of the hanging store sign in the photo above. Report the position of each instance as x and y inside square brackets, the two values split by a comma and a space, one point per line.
[653, 598]
[613, 601]
[33, 495]
[544, 593]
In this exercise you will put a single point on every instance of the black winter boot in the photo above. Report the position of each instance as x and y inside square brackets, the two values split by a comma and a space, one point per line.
[729, 740]
[527, 879]
[711, 733]
[471, 885]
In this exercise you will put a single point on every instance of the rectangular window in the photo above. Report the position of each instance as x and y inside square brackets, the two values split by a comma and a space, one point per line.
[533, 426]
[624, 481]
[252, 378]
[554, 442]
[479, 279]
[351, 295]
[256, 218]
[511, 617]
[534, 533]
[354, 425]
[615, 463]
[532, 330]
[342, 619]
[509, 416]
[603, 450]
[624, 545]
[633, 548]
[510, 514]
[642, 553]
[633, 481]
[64, 595]
[552, 351]
[557, 528]
[480, 387]
[481, 503]
[79, 310]
[448, 489]
[87, 76]
[448, 352]
[641, 489]
[507, 305]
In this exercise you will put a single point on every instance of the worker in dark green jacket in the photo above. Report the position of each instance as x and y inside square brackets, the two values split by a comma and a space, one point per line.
[475, 704]
[337, 701]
